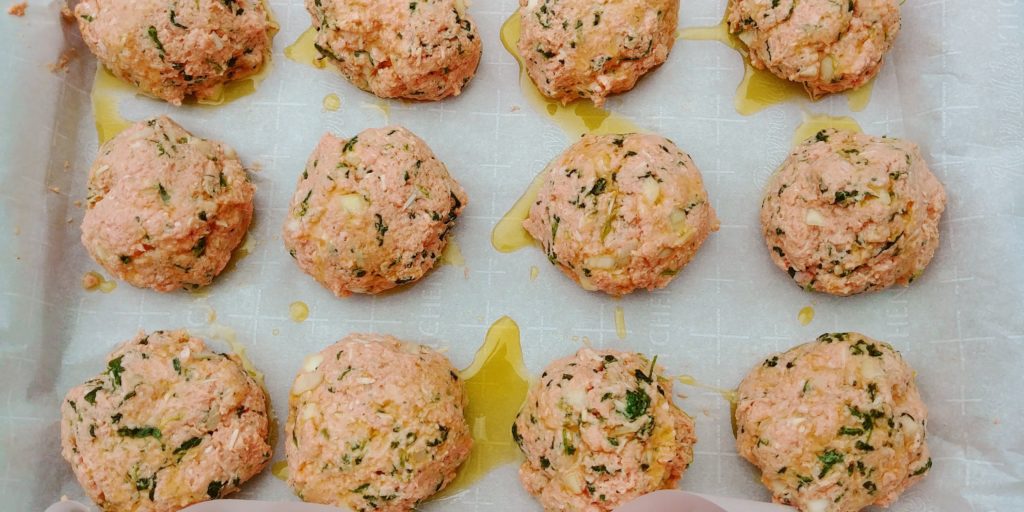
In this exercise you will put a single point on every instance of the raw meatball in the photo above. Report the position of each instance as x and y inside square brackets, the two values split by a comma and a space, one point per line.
[173, 49]
[600, 429]
[371, 212]
[583, 49]
[168, 424]
[848, 213]
[827, 46]
[834, 425]
[375, 424]
[621, 212]
[419, 50]
[165, 208]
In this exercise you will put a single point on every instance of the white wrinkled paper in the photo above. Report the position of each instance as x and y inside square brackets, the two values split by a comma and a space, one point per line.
[954, 84]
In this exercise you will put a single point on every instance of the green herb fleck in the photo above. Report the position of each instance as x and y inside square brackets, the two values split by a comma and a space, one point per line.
[175, 22]
[350, 144]
[164, 196]
[381, 228]
[862, 446]
[114, 369]
[923, 469]
[637, 402]
[156, 41]
[213, 490]
[91, 395]
[828, 459]
[188, 445]
[199, 248]
[139, 432]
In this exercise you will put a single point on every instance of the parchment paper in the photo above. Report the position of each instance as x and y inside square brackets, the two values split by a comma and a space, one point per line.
[954, 84]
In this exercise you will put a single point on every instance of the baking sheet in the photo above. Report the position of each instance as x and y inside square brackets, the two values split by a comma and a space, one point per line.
[954, 84]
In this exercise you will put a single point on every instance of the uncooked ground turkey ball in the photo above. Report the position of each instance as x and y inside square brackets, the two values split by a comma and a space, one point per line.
[167, 424]
[583, 49]
[598, 429]
[826, 45]
[420, 50]
[621, 212]
[848, 213]
[834, 425]
[174, 49]
[375, 424]
[165, 208]
[371, 212]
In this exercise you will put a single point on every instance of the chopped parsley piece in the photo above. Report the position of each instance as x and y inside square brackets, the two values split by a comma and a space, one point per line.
[188, 445]
[865, 447]
[156, 41]
[828, 459]
[350, 144]
[444, 437]
[844, 197]
[114, 369]
[923, 469]
[139, 432]
[862, 347]
[637, 402]
[381, 228]
[164, 196]
[175, 22]
[199, 248]
[91, 395]
[516, 436]
[545, 53]
[213, 490]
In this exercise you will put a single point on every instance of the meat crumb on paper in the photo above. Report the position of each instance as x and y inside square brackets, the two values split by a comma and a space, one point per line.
[18, 9]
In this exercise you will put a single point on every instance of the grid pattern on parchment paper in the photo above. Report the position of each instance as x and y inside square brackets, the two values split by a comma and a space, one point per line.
[954, 84]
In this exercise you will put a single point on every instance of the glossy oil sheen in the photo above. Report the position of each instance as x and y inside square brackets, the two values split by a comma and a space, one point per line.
[496, 385]
[760, 89]
[577, 118]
